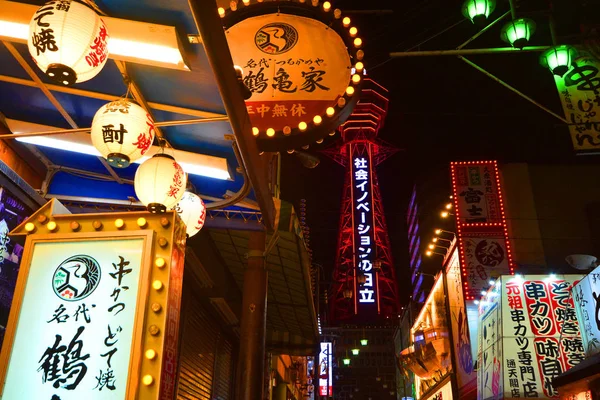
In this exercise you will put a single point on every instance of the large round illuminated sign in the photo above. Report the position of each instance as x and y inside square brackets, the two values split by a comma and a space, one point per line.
[303, 66]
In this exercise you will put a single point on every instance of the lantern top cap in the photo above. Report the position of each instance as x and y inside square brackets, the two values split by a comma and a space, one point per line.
[164, 155]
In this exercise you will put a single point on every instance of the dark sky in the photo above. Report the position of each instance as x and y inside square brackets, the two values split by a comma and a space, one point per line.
[440, 110]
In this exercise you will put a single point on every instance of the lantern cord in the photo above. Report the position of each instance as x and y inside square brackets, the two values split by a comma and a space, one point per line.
[509, 87]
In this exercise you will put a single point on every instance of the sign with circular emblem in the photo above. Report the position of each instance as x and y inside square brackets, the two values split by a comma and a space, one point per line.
[302, 65]
[276, 38]
[76, 278]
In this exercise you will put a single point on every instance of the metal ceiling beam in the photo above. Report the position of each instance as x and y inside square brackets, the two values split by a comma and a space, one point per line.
[53, 100]
[110, 97]
[215, 44]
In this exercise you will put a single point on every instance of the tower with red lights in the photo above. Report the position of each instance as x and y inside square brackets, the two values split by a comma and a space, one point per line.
[365, 288]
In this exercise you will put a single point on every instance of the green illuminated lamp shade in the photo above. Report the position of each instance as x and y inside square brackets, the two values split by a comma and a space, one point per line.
[346, 361]
[518, 32]
[364, 342]
[355, 352]
[558, 59]
[478, 11]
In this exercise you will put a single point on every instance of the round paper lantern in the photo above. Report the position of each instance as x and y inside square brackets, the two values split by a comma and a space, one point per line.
[122, 132]
[192, 211]
[67, 41]
[160, 183]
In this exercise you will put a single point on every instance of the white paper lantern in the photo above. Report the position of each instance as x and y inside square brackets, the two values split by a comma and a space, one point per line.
[68, 41]
[160, 183]
[192, 211]
[122, 132]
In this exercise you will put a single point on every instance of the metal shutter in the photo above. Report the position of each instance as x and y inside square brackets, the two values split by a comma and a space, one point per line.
[206, 355]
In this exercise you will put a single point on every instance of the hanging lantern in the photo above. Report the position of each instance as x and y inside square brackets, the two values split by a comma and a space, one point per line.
[377, 265]
[160, 183]
[361, 279]
[364, 342]
[67, 41]
[122, 132]
[346, 361]
[347, 293]
[192, 211]
[558, 59]
[355, 351]
[478, 11]
[518, 32]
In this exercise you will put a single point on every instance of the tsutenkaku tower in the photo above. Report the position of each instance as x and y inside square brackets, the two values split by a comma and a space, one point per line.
[364, 280]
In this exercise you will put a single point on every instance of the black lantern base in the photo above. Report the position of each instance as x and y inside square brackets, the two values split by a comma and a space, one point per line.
[480, 20]
[520, 43]
[560, 70]
[61, 74]
[156, 208]
[118, 160]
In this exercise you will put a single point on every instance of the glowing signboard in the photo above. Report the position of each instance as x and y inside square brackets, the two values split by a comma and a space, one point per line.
[481, 228]
[580, 96]
[529, 336]
[587, 304]
[325, 370]
[364, 228]
[75, 336]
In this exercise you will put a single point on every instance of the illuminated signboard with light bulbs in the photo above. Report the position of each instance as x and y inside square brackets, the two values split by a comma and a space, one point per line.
[529, 334]
[481, 229]
[96, 309]
[296, 61]
[365, 279]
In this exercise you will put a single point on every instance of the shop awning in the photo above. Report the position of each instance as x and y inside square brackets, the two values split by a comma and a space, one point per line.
[291, 317]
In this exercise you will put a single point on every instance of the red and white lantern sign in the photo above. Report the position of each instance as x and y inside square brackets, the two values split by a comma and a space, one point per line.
[294, 66]
[68, 41]
[192, 211]
[302, 64]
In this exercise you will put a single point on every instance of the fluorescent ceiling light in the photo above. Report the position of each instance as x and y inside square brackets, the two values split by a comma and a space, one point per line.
[130, 41]
[192, 163]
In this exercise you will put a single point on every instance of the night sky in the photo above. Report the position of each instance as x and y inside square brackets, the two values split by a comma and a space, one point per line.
[440, 110]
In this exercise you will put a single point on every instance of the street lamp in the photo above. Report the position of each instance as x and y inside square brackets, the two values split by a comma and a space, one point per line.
[436, 239]
[558, 59]
[478, 10]
[518, 32]
[440, 231]
[445, 214]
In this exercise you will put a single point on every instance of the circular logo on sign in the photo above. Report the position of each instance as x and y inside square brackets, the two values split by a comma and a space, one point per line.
[489, 253]
[276, 38]
[76, 278]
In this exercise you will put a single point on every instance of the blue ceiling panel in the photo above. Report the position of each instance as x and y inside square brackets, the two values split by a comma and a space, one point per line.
[67, 184]
[9, 65]
[28, 104]
[75, 160]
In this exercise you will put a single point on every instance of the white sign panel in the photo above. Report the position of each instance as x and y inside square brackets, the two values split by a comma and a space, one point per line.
[75, 331]
[489, 374]
[325, 370]
[444, 393]
[587, 305]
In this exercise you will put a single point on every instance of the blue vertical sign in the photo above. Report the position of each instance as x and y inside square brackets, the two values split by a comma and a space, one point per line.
[364, 231]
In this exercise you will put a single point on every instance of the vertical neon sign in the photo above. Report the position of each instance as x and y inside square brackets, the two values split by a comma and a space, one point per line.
[325, 370]
[364, 230]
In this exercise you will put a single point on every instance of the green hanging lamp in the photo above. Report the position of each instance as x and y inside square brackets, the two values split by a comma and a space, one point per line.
[518, 32]
[558, 59]
[478, 11]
